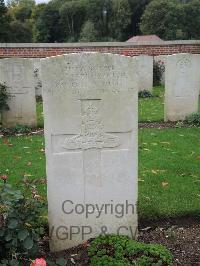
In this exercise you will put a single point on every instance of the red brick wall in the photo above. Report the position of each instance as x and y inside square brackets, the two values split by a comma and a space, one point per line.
[149, 48]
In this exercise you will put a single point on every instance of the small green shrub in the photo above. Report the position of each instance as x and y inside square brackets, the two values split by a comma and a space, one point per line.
[158, 69]
[144, 94]
[4, 97]
[115, 250]
[19, 129]
[193, 119]
[39, 99]
[20, 226]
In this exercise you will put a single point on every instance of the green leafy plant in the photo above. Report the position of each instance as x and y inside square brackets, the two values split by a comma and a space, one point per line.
[122, 251]
[18, 129]
[193, 119]
[21, 129]
[158, 70]
[20, 226]
[144, 94]
[4, 97]
[39, 99]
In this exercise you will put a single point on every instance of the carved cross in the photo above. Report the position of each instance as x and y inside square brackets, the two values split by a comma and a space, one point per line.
[91, 139]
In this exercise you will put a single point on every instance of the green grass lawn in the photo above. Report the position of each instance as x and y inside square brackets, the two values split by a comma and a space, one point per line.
[169, 168]
[40, 116]
[150, 109]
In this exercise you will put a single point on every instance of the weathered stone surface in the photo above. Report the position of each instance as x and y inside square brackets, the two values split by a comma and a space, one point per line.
[37, 76]
[17, 74]
[145, 66]
[181, 86]
[90, 112]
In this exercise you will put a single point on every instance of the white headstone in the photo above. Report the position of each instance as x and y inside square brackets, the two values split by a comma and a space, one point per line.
[145, 65]
[181, 86]
[90, 113]
[17, 74]
[198, 58]
[37, 76]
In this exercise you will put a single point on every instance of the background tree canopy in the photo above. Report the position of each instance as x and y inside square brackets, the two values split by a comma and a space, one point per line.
[98, 20]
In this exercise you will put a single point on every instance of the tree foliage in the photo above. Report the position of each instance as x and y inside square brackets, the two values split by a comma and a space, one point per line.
[88, 32]
[172, 19]
[191, 23]
[120, 18]
[4, 22]
[97, 20]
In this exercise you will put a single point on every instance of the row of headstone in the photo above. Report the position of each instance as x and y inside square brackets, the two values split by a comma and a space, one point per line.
[23, 77]
[91, 117]
[161, 61]
[145, 72]
[91, 132]
[17, 75]
[182, 86]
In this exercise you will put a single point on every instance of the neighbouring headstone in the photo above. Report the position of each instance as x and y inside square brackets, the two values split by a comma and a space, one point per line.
[17, 74]
[90, 115]
[199, 74]
[37, 76]
[145, 72]
[181, 86]
[160, 60]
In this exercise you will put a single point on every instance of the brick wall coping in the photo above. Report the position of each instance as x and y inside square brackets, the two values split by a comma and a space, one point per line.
[99, 44]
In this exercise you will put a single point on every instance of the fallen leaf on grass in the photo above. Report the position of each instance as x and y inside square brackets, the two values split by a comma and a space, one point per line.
[154, 172]
[3, 177]
[141, 180]
[198, 157]
[26, 175]
[29, 163]
[146, 149]
[157, 171]
[6, 142]
[17, 157]
[183, 174]
[165, 184]
[154, 143]
[147, 198]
